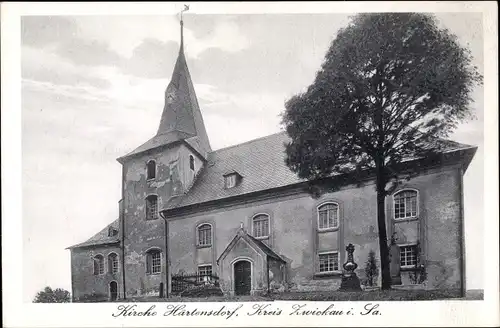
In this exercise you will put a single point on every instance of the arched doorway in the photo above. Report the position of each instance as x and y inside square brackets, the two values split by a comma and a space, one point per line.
[242, 277]
[113, 291]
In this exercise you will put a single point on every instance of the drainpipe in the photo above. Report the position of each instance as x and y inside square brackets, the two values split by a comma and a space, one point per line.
[122, 223]
[167, 260]
[267, 267]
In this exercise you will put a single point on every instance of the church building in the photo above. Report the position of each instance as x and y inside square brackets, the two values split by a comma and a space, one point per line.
[239, 216]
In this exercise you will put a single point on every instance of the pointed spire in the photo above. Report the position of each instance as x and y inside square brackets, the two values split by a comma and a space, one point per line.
[181, 116]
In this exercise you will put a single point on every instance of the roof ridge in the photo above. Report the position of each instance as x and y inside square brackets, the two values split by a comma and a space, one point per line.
[247, 142]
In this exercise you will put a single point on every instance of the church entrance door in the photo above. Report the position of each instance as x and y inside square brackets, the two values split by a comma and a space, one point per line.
[242, 278]
[113, 290]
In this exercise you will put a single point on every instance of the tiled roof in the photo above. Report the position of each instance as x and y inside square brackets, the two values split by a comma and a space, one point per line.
[101, 237]
[260, 162]
[266, 249]
[157, 141]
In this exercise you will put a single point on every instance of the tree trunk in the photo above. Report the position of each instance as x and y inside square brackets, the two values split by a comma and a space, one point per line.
[382, 231]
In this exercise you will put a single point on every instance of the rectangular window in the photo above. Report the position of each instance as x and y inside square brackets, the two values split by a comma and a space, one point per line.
[408, 255]
[329, 262]
[205, 273]
[156, 262]
[231, 181]
[152, 208]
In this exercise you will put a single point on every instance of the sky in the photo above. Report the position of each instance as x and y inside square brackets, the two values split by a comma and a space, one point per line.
[93, 88]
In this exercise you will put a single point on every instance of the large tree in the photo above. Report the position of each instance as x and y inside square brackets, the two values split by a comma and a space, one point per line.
[390, 85]
[49, 295]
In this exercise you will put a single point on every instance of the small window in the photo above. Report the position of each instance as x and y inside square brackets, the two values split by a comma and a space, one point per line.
[205, 235]
[408, 255]
[205, 273]
[112, 263]
[191, 162]
[230, 180]
[153, 261]
[112, 232]
[261, 226]
[328, 262]
[152, 207]
[405, 204]
[98, 264]
[151, 170]
[328, 216]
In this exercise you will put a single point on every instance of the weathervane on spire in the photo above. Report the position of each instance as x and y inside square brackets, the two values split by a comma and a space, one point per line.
[186, 8]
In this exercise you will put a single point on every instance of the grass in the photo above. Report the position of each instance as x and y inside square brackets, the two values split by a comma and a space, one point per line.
[375, 295]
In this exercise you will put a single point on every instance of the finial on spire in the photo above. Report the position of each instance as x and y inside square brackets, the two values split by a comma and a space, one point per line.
[186, 8]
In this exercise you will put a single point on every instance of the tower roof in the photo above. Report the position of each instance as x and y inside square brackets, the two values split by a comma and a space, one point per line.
[181, 118]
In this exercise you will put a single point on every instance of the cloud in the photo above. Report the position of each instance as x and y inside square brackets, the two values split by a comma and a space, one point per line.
[40, 31]
[46, 66]
[152, 58]
[88, 53]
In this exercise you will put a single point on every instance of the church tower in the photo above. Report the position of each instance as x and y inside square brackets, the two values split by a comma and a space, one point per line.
[155, 174]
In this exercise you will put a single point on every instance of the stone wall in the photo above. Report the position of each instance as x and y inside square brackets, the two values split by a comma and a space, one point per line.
[86, 285]
[295, 237]
[173, 177]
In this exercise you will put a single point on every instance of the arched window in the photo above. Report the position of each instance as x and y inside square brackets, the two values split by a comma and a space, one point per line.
[151, 207]
[260, 226]
[191, 162]
[151, 169]
[328, 216]
[205, 235]
[112, 263]
[98, 264]
[405, 204]
[153, 261]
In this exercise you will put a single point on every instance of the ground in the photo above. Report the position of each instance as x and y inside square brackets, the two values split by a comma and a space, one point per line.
[375, 295]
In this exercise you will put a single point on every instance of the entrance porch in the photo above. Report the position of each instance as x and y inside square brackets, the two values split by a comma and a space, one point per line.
[249, 267]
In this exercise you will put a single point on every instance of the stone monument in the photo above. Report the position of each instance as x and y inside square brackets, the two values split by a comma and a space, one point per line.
[350, 281]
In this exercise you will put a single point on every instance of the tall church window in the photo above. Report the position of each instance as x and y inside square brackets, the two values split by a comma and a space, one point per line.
[205, 235]
[98, 264]
[260, 224]
[405, 204]
[153, 261]
[328, 216]
[151, 207]
[112, 263]
[191, 162]
[151, 170]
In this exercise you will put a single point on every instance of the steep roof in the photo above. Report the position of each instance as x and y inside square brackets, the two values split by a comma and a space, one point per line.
[261, 163]
[181, 118]
[101, 238]
[242, 234]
